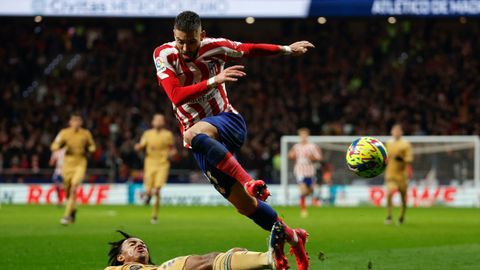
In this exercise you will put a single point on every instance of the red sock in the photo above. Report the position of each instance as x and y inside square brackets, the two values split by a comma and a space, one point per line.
[315, 201]
[230, 166]
[291, 236]
[302, 202]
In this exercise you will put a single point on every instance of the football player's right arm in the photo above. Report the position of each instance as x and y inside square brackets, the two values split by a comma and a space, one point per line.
[179, 94]
[291, 153]
[142, 144]
[172, 151]
[58, 142]
[317, 154]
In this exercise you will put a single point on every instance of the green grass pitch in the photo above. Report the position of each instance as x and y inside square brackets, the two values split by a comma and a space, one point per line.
[350, 238]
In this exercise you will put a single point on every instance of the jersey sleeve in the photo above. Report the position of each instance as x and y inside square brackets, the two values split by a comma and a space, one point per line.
[408, 153]
[58, 142]
[229, 50]
[168, 79]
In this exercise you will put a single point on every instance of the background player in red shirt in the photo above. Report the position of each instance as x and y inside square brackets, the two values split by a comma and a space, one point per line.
[191, 71]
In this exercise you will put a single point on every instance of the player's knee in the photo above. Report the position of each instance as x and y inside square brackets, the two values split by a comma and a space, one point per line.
[201, 262]
[156, 192]
[73, 190]
[200, 128]
[189, 135]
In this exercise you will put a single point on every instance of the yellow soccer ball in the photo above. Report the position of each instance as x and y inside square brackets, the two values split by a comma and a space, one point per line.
[367, 157]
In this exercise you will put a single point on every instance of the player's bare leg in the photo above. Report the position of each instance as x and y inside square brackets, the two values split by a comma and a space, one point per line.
[156, 205]
[70, 206]
[59, 190]
[403, 209]
[236, 258]
[316, 195]
[305, 191]
[388, 220]
[147, 196]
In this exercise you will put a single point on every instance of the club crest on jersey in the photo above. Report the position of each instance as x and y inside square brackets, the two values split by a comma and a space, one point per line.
[135, 267]
[212, 68]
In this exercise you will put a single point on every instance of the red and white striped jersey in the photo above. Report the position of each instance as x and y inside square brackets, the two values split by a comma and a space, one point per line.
[186, 82]
[304, 167]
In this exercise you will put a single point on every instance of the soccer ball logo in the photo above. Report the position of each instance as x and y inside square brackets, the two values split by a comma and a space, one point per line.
[367, 157]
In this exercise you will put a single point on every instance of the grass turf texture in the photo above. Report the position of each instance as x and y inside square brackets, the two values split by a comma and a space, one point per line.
[350, 238]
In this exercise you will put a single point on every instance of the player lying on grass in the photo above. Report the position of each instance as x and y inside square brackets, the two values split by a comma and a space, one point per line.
[131, 253]
[191, 70]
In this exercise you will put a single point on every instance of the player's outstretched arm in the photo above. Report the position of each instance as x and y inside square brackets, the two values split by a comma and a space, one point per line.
[259, 49]
[300, 47]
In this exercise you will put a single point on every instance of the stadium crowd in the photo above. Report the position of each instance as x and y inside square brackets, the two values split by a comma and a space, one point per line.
[363, 76]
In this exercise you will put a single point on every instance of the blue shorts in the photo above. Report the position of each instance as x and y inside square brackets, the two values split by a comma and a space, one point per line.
[232, 132]
[308, 181]
[57, 178]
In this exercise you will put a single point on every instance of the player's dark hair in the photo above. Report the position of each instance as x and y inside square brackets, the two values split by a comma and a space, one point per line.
[397, 124]
[116, 248]
[187, 21]
[75, 114]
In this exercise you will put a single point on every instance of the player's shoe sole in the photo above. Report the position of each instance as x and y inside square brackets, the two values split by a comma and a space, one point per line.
[298, 249]
[276, 245]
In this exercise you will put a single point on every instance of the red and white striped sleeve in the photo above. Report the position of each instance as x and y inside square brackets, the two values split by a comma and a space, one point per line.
[228, 50]
[163, 57]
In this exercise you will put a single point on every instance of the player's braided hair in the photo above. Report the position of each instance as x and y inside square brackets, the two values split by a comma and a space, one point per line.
[116, 248]
[187, 21]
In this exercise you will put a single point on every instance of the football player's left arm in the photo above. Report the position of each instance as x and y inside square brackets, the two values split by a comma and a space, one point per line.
[261, 49]
[408, 159]
[91, 147]
[142, 144]
[59, 142]
[233, 50]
